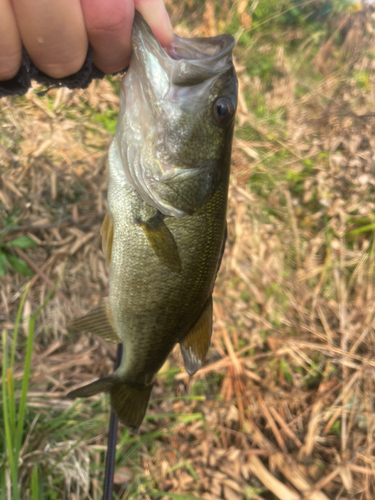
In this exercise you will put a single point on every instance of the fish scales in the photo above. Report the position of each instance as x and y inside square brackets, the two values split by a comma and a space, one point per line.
[149, 303]
[165, 230]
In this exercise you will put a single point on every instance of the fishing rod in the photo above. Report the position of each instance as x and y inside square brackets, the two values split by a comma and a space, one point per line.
[111, 445]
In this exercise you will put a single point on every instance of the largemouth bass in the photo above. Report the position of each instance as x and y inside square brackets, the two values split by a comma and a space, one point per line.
[165, 230]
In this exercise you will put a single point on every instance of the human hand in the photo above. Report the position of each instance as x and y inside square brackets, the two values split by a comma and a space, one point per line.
[56, 33]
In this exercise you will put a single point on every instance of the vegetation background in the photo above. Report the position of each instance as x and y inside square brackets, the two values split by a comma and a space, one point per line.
[284, 408]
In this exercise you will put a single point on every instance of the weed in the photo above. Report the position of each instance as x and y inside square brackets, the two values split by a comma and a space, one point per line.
[13, 414]
[109, 120]
[7, 245]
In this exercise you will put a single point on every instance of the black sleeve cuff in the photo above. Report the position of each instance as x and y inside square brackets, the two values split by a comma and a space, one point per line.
[21, 83]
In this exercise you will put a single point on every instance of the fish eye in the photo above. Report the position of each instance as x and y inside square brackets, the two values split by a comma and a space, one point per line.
[224, 109]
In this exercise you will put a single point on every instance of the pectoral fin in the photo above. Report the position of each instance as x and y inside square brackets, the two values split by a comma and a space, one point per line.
[107, 237]
[129, 404]
[162, 242]
[195, 345]
[98, 321]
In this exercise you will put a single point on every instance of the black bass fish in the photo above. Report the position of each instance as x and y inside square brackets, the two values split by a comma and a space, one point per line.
[165, 230]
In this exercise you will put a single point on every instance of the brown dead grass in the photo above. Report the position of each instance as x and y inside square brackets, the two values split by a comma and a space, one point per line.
[293, 413]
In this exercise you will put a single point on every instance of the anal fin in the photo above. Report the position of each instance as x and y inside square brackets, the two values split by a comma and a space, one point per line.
[128, 403]
[162, 242]
[107, 237]
[98, 321]
[194, 346]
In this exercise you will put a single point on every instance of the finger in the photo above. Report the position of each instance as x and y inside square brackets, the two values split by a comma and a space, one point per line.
[109, 26]
[10, 42]
[53, 33]
[156, 16]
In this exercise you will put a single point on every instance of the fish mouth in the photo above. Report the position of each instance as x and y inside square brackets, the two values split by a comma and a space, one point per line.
[189, 61]
[202, 50]
[163, 88]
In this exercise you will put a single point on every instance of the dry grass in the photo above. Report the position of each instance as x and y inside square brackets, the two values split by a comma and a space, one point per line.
[286, 408]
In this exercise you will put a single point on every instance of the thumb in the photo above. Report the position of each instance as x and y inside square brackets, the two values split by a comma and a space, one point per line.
[156, 16]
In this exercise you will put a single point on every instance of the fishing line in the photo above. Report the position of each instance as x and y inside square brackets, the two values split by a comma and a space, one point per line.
[111, 446]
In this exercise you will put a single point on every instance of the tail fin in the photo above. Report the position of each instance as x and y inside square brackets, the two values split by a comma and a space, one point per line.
[129, 404]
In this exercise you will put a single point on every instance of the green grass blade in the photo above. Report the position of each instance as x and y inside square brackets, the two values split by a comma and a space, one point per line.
[25, 385]
[184, 417]
[12, 402]
[12, 456]
[17, 323]
[188, 466]
[177, 496]
[179, 398]
[363, 229]
[27, 368]
[34, 484]
[2, 483]
[49, 296]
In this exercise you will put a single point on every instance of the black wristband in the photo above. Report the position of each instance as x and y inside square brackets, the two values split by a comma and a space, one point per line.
[21, 83]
